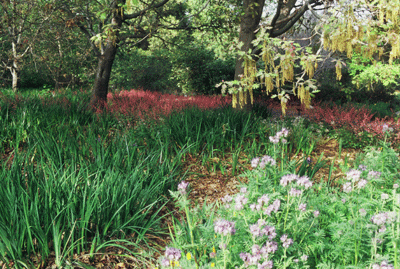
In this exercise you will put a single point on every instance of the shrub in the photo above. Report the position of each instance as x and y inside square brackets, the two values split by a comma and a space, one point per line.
[197, 70]
[150, 71]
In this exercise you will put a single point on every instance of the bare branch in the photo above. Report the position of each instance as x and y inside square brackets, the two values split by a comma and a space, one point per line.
[277, 14]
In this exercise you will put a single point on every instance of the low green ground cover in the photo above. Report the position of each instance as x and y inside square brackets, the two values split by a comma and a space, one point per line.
[76, 183]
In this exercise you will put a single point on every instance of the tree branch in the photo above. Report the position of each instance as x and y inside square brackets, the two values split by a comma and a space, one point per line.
[142, 12]
[277, 14]
[294, 18]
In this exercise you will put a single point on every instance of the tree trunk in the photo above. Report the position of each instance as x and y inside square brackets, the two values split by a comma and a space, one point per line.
[15, 77]
[14, 69]
[103, 73]
[248, 24]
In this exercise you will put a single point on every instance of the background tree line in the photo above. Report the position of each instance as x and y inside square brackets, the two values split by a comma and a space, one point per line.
[190, 46]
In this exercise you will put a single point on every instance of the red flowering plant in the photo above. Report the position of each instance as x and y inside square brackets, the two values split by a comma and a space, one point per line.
[145, 104]
[357, 120]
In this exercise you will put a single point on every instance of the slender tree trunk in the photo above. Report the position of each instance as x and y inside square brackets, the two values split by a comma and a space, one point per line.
[14, 69]
[15, 77]
[248, 24]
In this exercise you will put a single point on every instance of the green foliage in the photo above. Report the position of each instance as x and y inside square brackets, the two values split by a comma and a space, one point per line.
[261, 110]
[380, 109]
[368, 74]
[197, 70]
[190, 70]
[344, 91]
[138, 69]
[351, 140]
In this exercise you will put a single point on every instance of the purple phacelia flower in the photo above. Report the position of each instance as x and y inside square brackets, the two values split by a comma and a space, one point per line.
[379, 219]
[347, 187]
[362, 167]
[255, 230]
[383, 265]
[302, 207]
[224, 227]
[384, 196]
[270, 247]
[254, 162]
[182, 187]
[304, 181]
[353, 175]
[362, 183]
[165, 262]
[172, 254]
[267, 160]
[295, 192]
[304, 258]
[269, 231]
[287, 179]
[374, 175]
[227, 199]
[240, 201]
[286, 242]
[274, 139]
[263, 200]
[266, 265]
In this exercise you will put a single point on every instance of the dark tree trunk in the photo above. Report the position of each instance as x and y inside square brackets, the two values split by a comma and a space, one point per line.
[103, 73]
[248, 25]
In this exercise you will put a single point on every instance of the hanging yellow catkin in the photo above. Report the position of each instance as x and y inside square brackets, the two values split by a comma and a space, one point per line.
[234, 100]
[269, 83]
[349, 49]
[300, 91]
[307, 99]
[277, 78]
[283, 105]
[241, 99]
[338, 71]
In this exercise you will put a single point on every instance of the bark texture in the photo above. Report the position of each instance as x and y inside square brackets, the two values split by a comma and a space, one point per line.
[103, 73]
[106, 57]
[248, 25]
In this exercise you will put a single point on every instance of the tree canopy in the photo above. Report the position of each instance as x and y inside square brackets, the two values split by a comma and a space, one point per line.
[366, 28]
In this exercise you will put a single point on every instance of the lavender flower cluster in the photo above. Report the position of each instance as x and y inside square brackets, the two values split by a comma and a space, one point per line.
[383, 265]
[172, 255]
[303, 181]
[224, 227]
[282, 133]
[355, 181]
[182, 187]
[258, 253]
[383, 218]
[260, 229]
[261, 254]
[262, 162]
[262, 201]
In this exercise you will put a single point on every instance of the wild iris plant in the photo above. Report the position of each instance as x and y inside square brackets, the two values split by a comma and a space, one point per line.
[280, 219]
